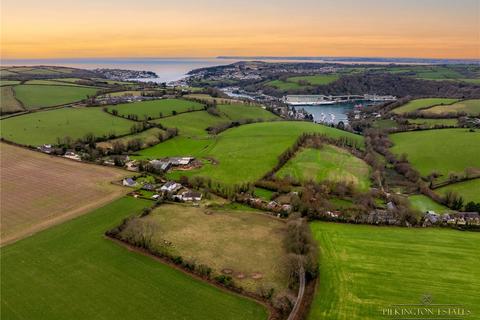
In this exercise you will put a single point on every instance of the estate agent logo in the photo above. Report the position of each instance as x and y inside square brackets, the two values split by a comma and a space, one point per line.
[425, 310]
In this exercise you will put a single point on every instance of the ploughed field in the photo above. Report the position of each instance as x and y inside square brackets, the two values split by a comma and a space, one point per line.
[40, 190]
[46, 127]
[327, 163]
[364, 269]
[241, 154]
[8, 102]
[71, 271]
[222, 239]
[443, 150]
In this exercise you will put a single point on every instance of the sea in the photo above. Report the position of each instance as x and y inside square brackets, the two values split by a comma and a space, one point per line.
[167, 69]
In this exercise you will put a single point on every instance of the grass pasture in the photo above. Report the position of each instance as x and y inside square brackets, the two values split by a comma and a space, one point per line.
[239, 111]
[301, 82]
[222, 240]
[39, 190]
[149, 137]
[41, 96]
[284, 85]
[364, 269]
[8, 102]
[246, 153]
[316, 80]
[431, 150]
[470, 107]
[417, 104]
[45, 127]
[328, 163]
[43, 274]
[192, 124]
[469, 190]
[433, 122]
[152, 109]
[423, 203]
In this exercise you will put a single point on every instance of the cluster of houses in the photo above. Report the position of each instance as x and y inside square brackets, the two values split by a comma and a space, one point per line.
[272, 206]
[169, 190]
[453, 218]
[69, 154]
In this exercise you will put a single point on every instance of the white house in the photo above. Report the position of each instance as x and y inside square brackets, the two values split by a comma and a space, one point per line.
[171, 186]
[129, 182]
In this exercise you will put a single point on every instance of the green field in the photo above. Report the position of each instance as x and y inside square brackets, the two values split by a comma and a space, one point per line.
[148, 137]
[45, 127]
[246, 153]
[265, 194]
[316, 80]
[417, 104]
[433, 122]
[52, 82]
[423, 203]
[8, 102]
[431, 150]
[301, 82]
[284, 85]
[72, 271]
[471, 107]
[152, 109]
[192, 124]
[238, 111]
[41, 96]
[329, 163]
[469, 190]
[364, 269]
[8, 82]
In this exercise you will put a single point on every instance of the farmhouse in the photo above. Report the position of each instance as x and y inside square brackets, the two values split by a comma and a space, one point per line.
[129, 182]
[171, 186]
[191, 196]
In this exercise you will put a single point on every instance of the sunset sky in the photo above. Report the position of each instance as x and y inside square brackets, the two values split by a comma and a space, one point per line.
[207, 28]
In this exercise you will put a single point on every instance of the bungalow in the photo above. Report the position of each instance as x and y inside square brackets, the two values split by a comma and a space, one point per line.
[47, 148]
[72, 155]
[171, 186]
[129, 182]
[191, 196]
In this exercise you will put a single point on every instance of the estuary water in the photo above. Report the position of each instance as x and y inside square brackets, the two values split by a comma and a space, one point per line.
[167, 69]
[330, 113]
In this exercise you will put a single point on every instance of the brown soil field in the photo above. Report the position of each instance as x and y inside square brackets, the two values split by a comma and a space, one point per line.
[38, 190]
